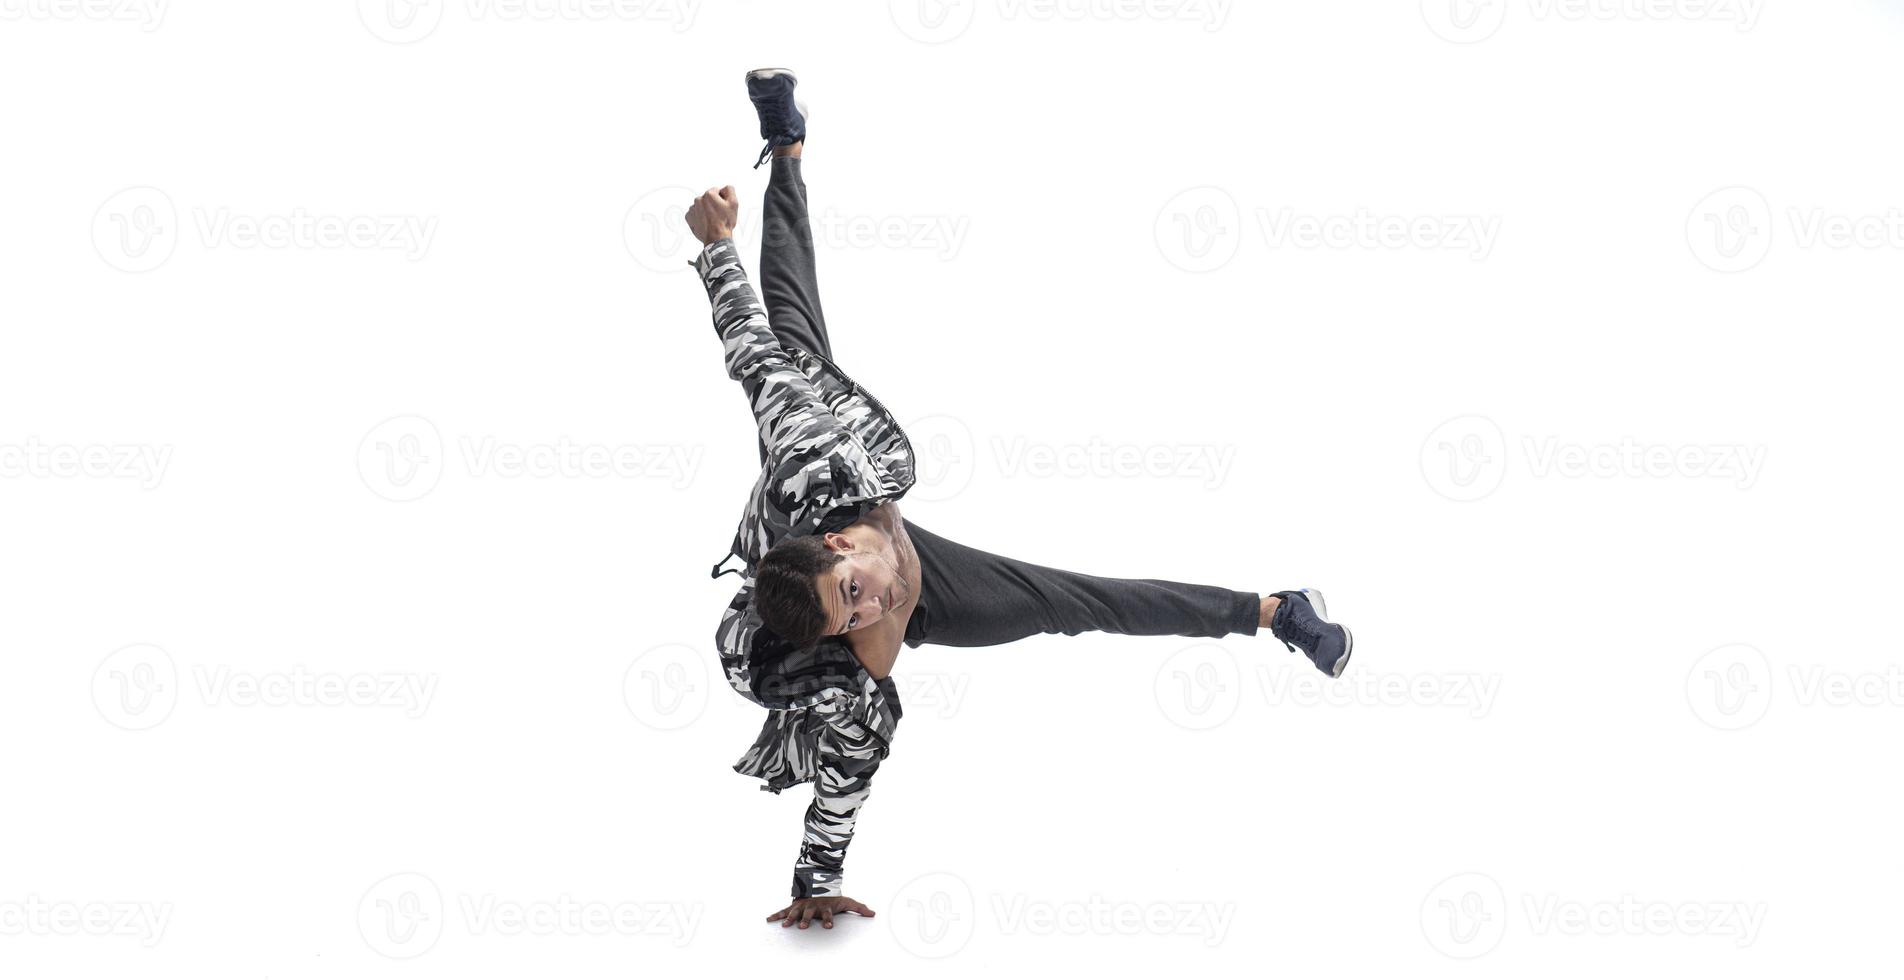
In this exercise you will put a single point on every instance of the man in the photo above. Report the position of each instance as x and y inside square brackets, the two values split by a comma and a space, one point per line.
[836, 580]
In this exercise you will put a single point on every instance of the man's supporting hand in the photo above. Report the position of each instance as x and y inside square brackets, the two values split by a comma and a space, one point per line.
[806, 909]
[712, 215]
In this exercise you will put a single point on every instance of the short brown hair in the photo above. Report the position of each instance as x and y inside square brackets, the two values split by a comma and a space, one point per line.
[786, 594]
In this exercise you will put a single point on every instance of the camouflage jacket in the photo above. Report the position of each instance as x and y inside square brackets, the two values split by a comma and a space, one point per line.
[833, 454]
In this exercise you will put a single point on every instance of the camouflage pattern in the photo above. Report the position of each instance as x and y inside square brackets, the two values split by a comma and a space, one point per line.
[833, 454]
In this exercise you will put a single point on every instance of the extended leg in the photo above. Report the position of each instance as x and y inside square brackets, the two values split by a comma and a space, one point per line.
[789, 285]
[970, 598]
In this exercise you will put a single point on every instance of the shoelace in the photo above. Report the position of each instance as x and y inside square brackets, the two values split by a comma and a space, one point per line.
[774, 119]
[1304, 631]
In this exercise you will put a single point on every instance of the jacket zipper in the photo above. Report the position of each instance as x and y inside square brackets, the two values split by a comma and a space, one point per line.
[853, 387]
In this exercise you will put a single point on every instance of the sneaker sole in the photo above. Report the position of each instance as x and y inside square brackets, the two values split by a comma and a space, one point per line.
[772, 73]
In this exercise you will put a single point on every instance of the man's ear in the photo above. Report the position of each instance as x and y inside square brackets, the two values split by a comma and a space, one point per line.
[835, 541]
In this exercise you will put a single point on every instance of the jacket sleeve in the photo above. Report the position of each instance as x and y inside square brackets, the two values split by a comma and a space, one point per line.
[849, 754]
[788, 409]
[817, 469]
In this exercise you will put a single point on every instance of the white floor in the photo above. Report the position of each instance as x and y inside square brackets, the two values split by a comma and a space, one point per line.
[364, 447]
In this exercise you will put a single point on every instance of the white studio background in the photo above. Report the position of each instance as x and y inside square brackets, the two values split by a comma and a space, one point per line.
[366, 448]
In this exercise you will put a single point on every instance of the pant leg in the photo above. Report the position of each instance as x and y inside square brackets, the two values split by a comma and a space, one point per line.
[789, 285]
[969, 598]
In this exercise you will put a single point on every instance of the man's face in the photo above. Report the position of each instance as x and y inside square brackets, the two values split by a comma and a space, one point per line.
[859, 591]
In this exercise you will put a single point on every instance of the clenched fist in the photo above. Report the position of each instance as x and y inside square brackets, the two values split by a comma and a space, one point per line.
[712, 215]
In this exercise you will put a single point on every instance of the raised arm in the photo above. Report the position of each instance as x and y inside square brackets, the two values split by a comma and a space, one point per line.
[814, 462]
[786, 406]
[751, 350]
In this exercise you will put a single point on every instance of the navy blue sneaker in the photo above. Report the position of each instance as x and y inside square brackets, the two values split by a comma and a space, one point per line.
[1301, 623]
[783, 119]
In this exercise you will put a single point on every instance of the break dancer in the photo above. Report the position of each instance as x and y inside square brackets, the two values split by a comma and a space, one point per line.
[835, 580]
